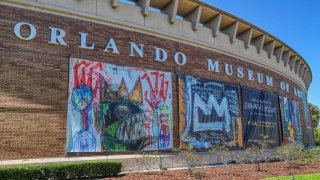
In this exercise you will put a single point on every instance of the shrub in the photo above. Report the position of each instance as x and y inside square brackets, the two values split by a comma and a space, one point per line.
[225, 155]
[146, 160]
[257, 155]
[291, 153]
[313, 153]
[89, 169]
[190, 157]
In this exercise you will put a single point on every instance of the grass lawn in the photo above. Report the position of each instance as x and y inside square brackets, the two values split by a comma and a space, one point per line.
[297, 177]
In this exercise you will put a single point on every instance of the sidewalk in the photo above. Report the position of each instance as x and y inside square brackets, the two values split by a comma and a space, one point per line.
[169, 160]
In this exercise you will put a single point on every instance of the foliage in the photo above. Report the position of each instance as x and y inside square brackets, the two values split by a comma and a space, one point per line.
[190, 157]
[316, 132]
[311, 155]
[292, 154]
[75, 170]
[146, 160]
[315, 114]
[255, 155]
[225, 155]
[299, 177]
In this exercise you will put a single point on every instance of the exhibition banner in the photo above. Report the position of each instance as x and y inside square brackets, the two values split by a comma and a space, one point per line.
[260, 118]
[118, 108]
[209, 113]
[290, 118]
[308, 120]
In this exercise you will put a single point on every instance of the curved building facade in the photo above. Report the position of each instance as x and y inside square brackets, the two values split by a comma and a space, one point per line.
[110, 77]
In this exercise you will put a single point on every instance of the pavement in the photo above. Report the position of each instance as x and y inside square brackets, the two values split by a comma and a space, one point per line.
[131, 163]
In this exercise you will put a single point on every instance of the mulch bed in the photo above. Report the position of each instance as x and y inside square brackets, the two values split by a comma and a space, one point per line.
[234, 172]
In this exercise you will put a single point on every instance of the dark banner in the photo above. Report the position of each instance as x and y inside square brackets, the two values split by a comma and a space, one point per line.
[209, 113]
[308, 123]
[260, 118]
[290, 117]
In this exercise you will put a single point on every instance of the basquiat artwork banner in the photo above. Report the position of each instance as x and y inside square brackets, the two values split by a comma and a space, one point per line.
[260, 118]
[308, 120]
[208, 113]
[116, 108]
[291, 126]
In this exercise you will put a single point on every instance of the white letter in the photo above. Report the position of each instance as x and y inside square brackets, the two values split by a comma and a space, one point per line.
[260, 77]
[240, 72]
[213, 66]
[295, 91]
[250, 75]
[227, 69]
[269, 80]
[177, 59]
[282, 86]
[17, 31]
[160, 52]
[139, 50]
[57, 35]
[111, 44]
[83, 41]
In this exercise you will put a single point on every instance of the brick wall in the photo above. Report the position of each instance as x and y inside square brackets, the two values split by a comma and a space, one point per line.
[34, 77]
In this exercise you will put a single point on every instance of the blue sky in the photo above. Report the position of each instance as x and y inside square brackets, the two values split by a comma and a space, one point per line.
[295, 22]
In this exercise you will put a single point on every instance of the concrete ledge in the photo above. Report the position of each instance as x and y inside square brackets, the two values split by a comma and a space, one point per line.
[130, 161]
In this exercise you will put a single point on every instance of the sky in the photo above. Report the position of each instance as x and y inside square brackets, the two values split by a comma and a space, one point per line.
[295, 22]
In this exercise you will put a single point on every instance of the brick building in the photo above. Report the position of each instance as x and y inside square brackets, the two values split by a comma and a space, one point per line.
[107, 77]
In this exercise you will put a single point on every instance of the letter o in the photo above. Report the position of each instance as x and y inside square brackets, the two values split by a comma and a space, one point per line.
[282, 85]
[17, 32]
[177, 56]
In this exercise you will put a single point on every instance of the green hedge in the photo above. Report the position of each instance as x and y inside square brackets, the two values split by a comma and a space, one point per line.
[75, 170]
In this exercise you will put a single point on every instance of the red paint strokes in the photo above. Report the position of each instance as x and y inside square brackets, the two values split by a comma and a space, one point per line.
[84, 120]
[165, 129]
[148, 119]
[157, 95]
[76, 70]
[80, 79]
[147, 126]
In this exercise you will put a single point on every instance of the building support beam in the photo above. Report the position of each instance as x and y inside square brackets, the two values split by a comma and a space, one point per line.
[297, 66]
[246, 37]
[292, 60]
[258, 42]
[231, 31]
[114, 3]
[285, 57]
[278, 53]
[171, 10]
[269, 47]
[308, 79]
[304, 73]
[144, 4]
[214, 24]
[194, 17]
[301, 69]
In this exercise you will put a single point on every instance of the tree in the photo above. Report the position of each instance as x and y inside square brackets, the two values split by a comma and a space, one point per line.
[316, 132]
[315, 114]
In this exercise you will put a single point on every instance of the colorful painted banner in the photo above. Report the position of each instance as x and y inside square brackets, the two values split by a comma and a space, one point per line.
[308, 121]
[208, 113]
[116, 108]
[260, 118]
[291, 126]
